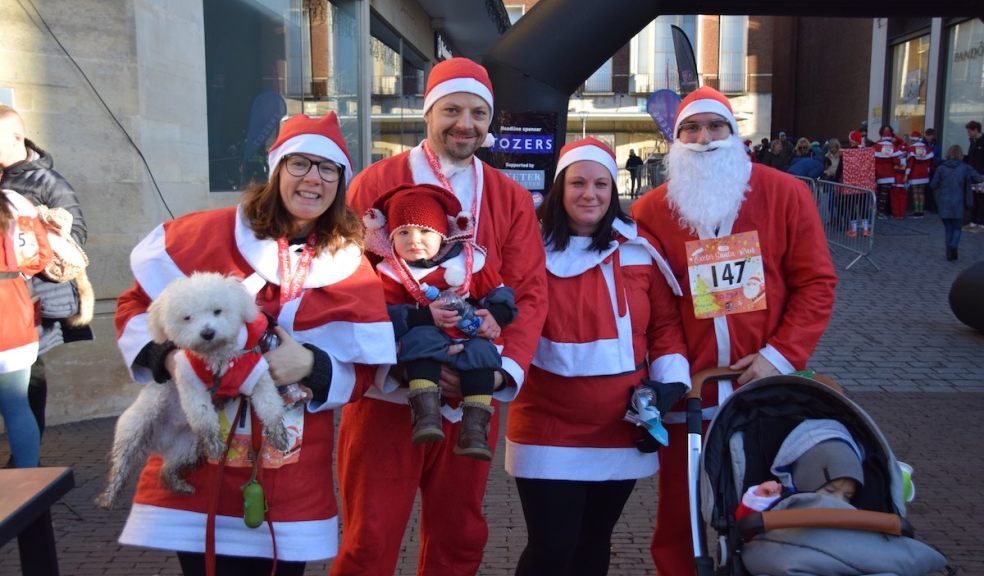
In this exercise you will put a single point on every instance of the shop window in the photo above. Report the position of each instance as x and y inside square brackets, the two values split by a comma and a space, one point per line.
[910, 70]
[397, 98]
[964, 81]
[266, 60]
[734, 48]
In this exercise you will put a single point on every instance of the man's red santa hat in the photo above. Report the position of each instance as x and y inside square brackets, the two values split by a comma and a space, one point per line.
[588, 149]
[705, 99]
[302, 134]
[915, 135]
[457, 75]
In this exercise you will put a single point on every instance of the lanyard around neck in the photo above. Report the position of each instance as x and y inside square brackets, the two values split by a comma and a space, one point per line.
[291, 284]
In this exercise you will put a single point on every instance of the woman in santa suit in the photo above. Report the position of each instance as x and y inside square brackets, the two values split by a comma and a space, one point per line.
[612, 323]
[298, 248]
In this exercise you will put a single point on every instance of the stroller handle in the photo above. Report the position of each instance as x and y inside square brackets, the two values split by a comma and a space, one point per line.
[866, 520]
[705, 376]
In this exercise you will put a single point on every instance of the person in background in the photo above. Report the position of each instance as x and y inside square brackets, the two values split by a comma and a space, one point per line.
[298, 248]
[774, 158]
[803, 163]
[975, 157]
[763, 150]
[613, 323]
[890, 174]
[24, 252]
[28, 170]
[934, 145]
[764, 321]
[634, 166]
[380, 470]
[952, 184]
[919, 162]
[833, 167]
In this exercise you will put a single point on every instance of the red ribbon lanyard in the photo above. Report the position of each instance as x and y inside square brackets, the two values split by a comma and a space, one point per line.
[292, 284]
[435, 166]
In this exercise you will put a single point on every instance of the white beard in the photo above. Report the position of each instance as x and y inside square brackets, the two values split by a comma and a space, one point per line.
[706, 184]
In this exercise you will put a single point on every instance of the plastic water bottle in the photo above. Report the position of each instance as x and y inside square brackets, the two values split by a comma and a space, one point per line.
[451, 300]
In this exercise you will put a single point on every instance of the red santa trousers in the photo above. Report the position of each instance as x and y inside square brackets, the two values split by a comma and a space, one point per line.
[900, 201]
[375, 434]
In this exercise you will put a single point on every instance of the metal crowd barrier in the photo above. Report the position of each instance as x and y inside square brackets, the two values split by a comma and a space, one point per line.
[649, 176]
[848, 217]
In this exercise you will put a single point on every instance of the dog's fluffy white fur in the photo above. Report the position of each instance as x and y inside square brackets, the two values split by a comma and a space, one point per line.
[203, 314]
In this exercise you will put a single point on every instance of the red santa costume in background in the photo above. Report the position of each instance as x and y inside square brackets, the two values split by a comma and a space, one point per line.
[890, 174]
[919, 162]
[379, 469]
[568, 422]
[771, 217]
[340, 310]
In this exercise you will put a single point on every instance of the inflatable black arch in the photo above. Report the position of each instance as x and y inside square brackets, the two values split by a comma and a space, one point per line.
[540, 61]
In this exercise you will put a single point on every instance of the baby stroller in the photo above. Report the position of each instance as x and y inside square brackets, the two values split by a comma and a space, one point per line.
[739, 448]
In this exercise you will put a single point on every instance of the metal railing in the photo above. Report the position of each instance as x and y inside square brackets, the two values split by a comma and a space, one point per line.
[648, 176]
[848, 217]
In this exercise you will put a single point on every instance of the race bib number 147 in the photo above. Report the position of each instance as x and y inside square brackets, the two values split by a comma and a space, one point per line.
[726, 275]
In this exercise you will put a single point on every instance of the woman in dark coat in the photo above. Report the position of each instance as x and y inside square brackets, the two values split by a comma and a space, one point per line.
[952, 185]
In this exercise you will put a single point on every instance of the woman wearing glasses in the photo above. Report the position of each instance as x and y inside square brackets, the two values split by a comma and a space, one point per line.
[298, 248]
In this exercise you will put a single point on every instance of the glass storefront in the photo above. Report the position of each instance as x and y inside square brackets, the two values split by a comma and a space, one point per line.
[397, 94]
[269, 59]
[964, 92]
[910, 71]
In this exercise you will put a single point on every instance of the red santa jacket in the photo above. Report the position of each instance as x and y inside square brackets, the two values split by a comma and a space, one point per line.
[507, 229]
[613, 320]
[799, 277]
[889, 161]
[340, 310]
[24, 251]
[919, 162]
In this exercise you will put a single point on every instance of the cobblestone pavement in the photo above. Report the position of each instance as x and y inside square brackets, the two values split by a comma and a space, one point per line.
[893, 343]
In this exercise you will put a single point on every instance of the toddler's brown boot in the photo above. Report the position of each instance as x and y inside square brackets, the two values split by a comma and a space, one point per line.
[473, 436]
[425, 414]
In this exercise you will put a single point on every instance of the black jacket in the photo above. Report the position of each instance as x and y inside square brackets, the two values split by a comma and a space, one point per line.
[36, 180]
[975, 154]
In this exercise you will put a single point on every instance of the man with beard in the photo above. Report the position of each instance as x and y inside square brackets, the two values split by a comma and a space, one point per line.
[746, 245]
[379, 469]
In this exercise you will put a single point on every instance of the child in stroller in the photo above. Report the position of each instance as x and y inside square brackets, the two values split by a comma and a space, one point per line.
[766, 430]
[818, 456]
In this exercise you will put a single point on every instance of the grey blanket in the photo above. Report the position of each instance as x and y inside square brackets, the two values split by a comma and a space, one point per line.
[836, 551]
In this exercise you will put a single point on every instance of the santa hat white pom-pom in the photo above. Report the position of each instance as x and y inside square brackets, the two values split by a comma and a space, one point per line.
[373, 218]
[454, 276]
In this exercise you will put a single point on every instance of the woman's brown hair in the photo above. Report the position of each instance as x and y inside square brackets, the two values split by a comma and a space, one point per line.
[336, 227]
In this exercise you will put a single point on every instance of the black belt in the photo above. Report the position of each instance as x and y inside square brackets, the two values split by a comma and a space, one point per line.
[9, 275]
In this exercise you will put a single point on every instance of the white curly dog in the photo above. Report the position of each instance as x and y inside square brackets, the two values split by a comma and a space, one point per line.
[204, 315]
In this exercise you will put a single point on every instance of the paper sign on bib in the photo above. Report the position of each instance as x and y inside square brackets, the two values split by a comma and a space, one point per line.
[726, 275]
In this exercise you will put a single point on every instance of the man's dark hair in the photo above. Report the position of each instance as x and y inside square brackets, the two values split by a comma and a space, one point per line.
[973, 125]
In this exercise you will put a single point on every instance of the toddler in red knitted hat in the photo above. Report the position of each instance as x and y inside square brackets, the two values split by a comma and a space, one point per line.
[426, 244]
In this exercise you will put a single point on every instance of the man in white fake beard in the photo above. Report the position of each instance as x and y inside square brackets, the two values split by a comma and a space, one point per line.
[706, 182]
[746, 245]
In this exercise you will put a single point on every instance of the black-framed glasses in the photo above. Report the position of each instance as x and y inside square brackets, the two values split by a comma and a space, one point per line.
[299, 166]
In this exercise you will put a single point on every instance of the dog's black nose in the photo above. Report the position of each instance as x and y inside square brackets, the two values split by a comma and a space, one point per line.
[207, 334]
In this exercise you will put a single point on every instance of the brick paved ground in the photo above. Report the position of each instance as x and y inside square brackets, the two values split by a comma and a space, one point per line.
[893, 342]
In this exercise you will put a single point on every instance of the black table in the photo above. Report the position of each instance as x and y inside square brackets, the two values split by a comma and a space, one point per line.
[26, 496]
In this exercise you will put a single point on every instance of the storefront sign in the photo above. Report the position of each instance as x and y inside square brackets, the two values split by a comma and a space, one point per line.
[524, 148]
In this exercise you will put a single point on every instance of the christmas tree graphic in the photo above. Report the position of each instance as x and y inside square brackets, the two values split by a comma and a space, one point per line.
[704, 304]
